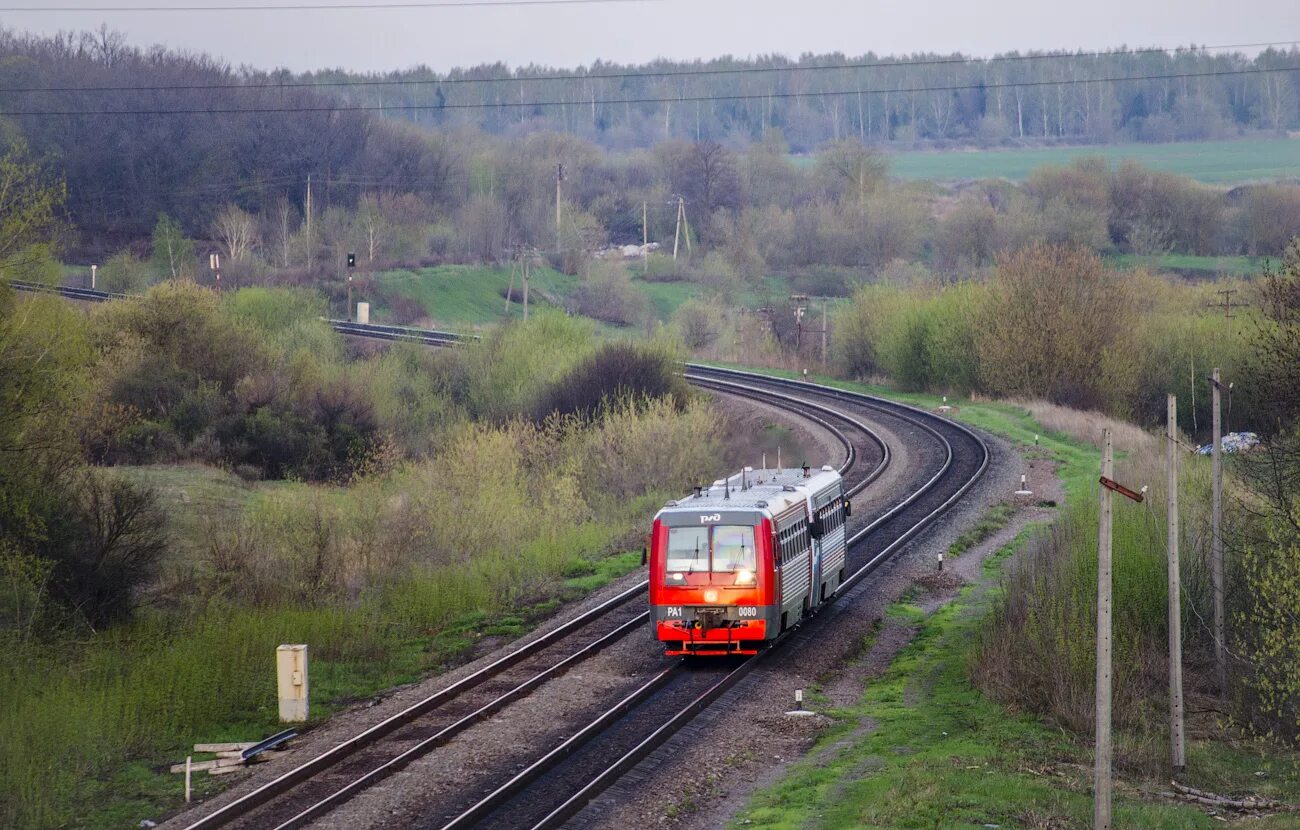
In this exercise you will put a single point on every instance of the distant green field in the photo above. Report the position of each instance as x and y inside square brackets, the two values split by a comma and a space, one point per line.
[474, 295]
[1219, 162]
[1200, 267]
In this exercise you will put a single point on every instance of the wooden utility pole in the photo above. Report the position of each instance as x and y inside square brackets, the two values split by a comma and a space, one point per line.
[1216, 531]
[1227, 304]
[308, 218]
[1177, 748]
[1102, 751]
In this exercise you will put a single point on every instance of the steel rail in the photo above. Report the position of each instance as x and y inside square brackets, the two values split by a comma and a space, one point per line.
[576, 802]
[445, 734]
[539, 767]
[66, 291]
[757, 393]
[242, 806]
[245, 803]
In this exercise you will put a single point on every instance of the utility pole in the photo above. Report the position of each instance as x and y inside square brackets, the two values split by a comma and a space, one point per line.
[559, 177]
[677, 233]
[1226, 303]
[1177, 748]
[527, 259]
[824, 330]
[1102, 751]
[1216, 530]
[308, 226]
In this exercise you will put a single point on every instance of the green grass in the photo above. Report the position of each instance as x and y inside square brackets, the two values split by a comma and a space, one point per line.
[991, 522]
[471, 295]
[1219, 162]
[122, 705]
[1192, 266]
[923, 749]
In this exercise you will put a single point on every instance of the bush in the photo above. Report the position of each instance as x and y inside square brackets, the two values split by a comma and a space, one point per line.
[1059, 325]
[123, 273]
[1037, 651]
[104, 542]
[616, 375]
[607, 294]
[697, 324]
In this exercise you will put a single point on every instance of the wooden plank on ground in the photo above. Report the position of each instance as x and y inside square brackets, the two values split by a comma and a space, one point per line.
[216, 763]
[228, 747]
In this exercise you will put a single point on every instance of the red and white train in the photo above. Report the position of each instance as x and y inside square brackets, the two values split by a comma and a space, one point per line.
[737, 563]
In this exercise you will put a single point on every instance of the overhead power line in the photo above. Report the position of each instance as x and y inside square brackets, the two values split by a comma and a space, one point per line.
[676, 100]
[432, 4]
[652, 73]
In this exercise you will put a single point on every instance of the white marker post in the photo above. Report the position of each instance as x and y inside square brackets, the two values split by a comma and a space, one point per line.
[189, 764]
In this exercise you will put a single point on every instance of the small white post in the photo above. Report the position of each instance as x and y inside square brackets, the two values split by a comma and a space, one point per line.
[1024, 487]
[188, 769]
[798, 699]
[93, 269]
[941, 561]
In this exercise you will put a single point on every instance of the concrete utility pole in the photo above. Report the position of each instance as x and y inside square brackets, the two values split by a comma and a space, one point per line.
[307, 211]
[1216, 531]
[677, 233]
[1102, 751]
[527, 259]
[824, 330]
[559, 177]
[1177, 748]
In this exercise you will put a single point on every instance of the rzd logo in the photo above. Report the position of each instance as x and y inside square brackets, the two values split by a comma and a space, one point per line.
[711, 517]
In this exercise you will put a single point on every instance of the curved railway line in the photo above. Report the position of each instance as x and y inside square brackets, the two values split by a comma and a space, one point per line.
[557, 785]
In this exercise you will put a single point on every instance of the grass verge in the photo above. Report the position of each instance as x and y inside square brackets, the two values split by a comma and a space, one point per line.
[924, 749]
[91, 727]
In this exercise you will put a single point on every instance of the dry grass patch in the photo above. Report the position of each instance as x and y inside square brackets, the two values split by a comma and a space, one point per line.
[1086, 425]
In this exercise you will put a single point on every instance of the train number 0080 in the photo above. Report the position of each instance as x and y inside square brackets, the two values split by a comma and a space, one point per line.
[747, 611]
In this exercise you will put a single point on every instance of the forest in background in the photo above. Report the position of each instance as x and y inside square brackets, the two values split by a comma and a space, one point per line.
[172, 155]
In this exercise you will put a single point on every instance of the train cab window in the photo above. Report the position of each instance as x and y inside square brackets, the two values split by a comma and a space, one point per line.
[725, 551]
[733, 549]
[688, 549]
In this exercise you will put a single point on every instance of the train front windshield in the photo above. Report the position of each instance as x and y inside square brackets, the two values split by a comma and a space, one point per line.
[720, 549]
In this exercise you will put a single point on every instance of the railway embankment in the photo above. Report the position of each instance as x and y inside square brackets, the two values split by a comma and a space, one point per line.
[907, 736]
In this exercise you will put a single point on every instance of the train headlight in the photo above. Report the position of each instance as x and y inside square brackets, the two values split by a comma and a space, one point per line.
[710, 596]
[744, 577]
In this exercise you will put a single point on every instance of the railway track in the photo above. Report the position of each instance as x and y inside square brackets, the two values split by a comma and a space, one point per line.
[428, 337]
[556, 786]
[323, 783]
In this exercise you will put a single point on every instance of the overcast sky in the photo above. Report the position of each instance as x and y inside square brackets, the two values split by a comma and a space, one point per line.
[567, 36]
